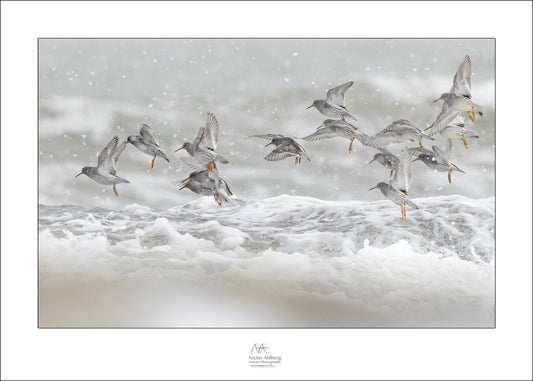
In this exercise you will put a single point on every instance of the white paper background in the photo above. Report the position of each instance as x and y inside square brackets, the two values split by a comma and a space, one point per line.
[30, 353]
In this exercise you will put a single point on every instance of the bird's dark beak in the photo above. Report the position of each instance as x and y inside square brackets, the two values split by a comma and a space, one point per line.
[416, 159]
[309, 107]
[373, 188]
[269, 144]
[178, 149]
[436, 100]
[371, 161]
[81, 173]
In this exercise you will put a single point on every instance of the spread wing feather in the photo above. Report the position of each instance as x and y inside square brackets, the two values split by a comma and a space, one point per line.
[148, 135]
[282, 152]
[417, 151]
[320, 134]
[441, 156]
[192, 163]
[266, 136]
[199, 137]
[114, 156]
[446, 116]
[382, 141]
[462, 80]
[400, 125]
[210, 137]
[402, 176]
[108, 149]
[336, 95]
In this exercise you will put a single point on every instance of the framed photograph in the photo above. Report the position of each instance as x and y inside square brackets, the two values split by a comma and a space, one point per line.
[266, 183]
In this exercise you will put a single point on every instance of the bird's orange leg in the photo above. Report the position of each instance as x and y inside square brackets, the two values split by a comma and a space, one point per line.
[299, 160]
[464, 141]
[420, 142]
[153, 160]
[351, 143]
[342, 117]
[115, 189]
[391, 171]
[473, 114]
[450, 176]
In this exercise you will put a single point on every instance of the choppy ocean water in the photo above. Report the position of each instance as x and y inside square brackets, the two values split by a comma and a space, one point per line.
[303, 245]
[281, 261]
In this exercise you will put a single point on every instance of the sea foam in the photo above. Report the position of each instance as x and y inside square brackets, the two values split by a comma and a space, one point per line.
[282, 261]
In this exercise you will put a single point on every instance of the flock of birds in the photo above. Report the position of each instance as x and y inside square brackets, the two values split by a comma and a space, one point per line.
[202, 156]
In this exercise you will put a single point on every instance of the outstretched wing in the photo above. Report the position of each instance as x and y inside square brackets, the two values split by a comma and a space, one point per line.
[441, 156]
[340, 127]
[192, 163]
[114, 156]
[210, 137]
[148, 135]
[338, 123]
[447, 116]
[266, 136]
[336, 95]
[108, 149]
[361, 136]
[459, 121]
[281, 152]
[291, 145]
[321, 134]
[462, 81]
[199, 137]
[400, 125]
[379, 141]
[415, 152]
[274, 156]
[402, 176]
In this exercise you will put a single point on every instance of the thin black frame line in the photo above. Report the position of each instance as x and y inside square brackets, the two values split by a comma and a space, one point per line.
[310, 327]
[38, 184]
[495, 198]
[265, 38]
